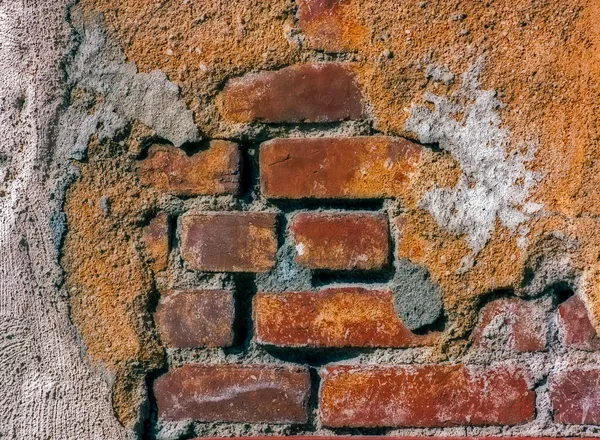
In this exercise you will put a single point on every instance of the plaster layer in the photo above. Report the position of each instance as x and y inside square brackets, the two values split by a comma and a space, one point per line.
[48, 390]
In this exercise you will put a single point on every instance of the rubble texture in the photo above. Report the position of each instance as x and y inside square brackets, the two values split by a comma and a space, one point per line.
[300, 217]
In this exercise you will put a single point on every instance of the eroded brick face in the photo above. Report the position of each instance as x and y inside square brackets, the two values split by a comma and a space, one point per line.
[229, 242]
[157, 240]
[320, 92]
[229, 393]
[575, 326]
[325, 168]
[575, 395]
[341, 241]
[512, 323]
[424, 396]
[196, 318]
[214, 171]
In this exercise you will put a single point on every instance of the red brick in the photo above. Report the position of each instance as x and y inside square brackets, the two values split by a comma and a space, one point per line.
[330, 25]
[424, 396]
[156, 239]
[322, 92]
[342, 317]
[575, 396]
[196, 318]
[229, 241]
[233, 393]
[214, 171]
[357, 167]
[341, 241]
[384, 437]
[575, 326]
[512, 323]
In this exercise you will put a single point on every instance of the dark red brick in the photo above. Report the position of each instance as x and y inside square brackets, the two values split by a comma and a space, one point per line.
[214, 171]
[196, 318]
[575, 396]
[233, 393]
[575, 326]
[357, 167]
[156, 239]
[424, 396]
[330, 25]
[385, 437]
[320, 92]
[341, 241]
[229, 241]
[341, 317]
[512, 323]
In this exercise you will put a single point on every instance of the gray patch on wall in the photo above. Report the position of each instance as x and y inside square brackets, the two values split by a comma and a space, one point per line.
[495, 184]
[417, 299]
[101, 67]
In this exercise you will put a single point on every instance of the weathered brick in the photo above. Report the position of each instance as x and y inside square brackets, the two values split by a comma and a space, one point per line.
[320, 92]
[341, 317]
[213, 171]
[229, 241]
[424, 396]
[156, 239]
[575, 326]
[196, 318]
[512, 323]
[341, 241]
[357, 167]
[233, 393]
[575, 396]
[329, 25]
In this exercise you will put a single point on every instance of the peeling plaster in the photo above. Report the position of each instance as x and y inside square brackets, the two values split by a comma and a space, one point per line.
[495, 183]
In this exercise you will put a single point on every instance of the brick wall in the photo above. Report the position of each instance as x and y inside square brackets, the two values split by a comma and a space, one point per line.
[293, 321]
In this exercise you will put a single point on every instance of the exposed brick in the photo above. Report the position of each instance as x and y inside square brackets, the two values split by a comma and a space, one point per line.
[233, 393]
[424, 396]
[213, 171]
[512, 323]
[575, 396]
[341, 241]
[156, 239]
[196, 318]
[229, 241]
[321, 92]
[329, 25]
[575, 326]
[357, 167]
[343, 317]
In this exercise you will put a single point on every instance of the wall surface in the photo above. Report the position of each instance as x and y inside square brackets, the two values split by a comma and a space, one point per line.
[304, 217]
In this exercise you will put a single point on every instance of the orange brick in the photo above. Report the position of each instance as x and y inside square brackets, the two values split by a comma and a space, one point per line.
[215, 171]
[325, 168]
[341, 317]
[424, 396]
[341, 241]
[320, 92]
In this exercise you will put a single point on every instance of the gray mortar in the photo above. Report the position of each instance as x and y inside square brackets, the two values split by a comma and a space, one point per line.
[495, 184]
[417, 299]
[100, 66]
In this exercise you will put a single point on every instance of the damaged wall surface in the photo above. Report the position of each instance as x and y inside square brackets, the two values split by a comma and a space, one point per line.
[284, 217]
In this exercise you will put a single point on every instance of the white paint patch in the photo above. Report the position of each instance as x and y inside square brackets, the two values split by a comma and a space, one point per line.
[495, 184]
[300, 249]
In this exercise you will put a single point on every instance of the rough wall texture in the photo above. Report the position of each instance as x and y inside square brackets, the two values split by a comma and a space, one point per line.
[316, 216]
